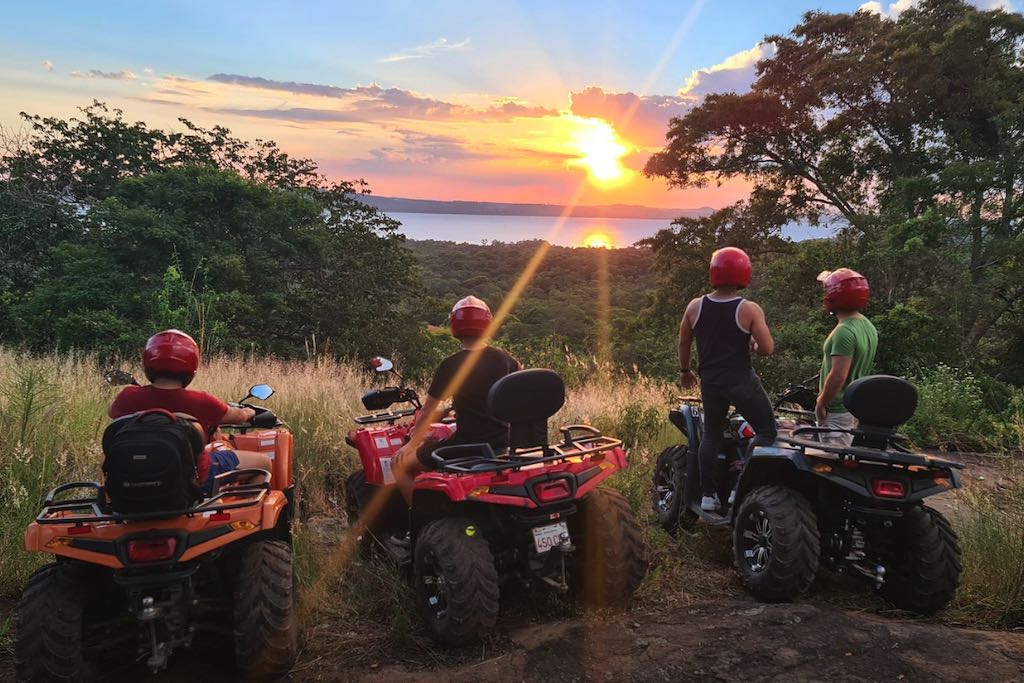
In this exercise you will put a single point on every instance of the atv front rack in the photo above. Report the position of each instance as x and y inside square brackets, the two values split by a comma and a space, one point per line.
[482, 458]
[390, 416]
[95, 508]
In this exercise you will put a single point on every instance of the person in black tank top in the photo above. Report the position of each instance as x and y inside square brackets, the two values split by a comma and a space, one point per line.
[727, 328]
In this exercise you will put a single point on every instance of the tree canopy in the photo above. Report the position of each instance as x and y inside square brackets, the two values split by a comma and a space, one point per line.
[903, 134]
[111, 230]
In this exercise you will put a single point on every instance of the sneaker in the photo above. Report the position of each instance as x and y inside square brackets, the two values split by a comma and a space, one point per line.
[732, 497]
[710, 504]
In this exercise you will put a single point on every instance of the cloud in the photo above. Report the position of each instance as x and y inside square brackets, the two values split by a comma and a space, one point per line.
[47, 64]
[735, 74]
[895, 9]
[365, 103]
[642, 120]
[439, 46]
[122, 75]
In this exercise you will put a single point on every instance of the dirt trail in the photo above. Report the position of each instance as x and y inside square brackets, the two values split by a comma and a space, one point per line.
[728, 641]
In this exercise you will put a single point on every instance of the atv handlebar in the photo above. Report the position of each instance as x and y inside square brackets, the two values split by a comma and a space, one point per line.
[263, 419]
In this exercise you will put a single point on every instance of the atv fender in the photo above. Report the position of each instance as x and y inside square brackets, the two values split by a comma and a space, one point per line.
[774, 464]
[687, 419]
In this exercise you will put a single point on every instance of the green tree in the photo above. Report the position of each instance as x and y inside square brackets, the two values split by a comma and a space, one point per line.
[117, 228]
[905, 134]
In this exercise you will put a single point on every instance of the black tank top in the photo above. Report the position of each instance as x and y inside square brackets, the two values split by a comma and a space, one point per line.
[723, 347]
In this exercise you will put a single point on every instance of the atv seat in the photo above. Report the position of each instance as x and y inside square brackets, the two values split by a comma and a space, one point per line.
[525, 400]
[880, 403]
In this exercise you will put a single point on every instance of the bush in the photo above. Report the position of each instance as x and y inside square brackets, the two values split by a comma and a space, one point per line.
[950, 412]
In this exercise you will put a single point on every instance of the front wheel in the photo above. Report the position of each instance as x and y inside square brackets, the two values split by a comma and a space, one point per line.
[776, 543]
[456, 581]
[265, 615]
[48, 628]
[612, 558]
[668, 490]
[923, 569]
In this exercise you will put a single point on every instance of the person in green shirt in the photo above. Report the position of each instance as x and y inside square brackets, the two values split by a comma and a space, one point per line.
[848, 352]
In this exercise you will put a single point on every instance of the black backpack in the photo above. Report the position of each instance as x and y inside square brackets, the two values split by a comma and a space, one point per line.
[149, 462]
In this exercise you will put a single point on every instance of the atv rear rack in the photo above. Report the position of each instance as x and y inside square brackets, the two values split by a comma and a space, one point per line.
[859, 453]
[483, 458]
[95, 508]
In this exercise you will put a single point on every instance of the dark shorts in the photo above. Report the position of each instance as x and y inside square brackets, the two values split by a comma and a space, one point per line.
[220, 462]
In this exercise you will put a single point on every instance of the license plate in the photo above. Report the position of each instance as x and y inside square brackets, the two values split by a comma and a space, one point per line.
[547, 537]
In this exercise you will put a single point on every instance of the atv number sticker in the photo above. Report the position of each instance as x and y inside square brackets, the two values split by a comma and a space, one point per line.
[385, 468]
[547, 537]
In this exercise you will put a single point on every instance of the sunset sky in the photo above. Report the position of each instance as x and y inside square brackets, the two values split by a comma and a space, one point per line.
[493, 101]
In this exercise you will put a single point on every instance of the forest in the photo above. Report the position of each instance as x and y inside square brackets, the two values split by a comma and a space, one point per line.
[901, 139]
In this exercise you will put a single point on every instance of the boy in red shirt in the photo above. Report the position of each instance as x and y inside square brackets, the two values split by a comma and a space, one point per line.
[170, 360]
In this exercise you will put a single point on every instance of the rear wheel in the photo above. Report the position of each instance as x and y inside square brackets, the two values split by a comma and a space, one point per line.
[48, 629]
[668, 488]
[923, 569]
[613, 557]
[776, 543]
[456, 581]
[265, 615]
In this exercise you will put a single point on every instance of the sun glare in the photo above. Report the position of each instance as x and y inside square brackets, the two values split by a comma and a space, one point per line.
[599, 240]
[600, 151]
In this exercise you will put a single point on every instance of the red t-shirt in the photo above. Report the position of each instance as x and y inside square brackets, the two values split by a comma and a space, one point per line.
[206, 408]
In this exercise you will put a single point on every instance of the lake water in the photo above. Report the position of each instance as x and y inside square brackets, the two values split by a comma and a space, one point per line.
[474, 229]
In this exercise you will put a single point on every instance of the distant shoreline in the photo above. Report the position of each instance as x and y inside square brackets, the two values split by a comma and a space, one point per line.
[458, 207]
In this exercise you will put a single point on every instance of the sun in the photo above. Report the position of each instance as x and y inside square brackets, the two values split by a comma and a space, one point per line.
[600, 151]
[598, 240]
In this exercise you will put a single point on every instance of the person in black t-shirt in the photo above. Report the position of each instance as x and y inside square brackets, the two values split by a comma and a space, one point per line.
[467, 387]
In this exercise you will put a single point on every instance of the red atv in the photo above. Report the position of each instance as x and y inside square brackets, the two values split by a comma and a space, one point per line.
[535, 513]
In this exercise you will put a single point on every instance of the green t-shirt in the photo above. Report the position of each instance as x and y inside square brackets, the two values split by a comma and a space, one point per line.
[855, 337]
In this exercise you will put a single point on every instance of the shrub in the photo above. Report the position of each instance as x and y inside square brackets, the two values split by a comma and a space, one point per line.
[950, 413]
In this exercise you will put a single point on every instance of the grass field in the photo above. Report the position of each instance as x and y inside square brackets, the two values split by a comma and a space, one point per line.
[53, 412]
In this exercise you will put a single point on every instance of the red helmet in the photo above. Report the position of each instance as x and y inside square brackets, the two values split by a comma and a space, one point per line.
[470, 317]
[730, 267]
[171, 352]
[845, 289]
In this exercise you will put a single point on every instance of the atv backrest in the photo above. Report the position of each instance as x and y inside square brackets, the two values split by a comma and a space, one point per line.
[525, 400]
[881, 401]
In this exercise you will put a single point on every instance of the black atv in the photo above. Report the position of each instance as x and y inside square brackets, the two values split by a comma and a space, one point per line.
[800, 502]
[793, 406]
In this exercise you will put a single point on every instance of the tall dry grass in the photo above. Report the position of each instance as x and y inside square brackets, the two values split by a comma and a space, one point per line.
[53, 412]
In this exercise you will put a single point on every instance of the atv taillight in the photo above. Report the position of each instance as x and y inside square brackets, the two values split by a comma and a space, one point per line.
[887, 488]
[156, 549]
[551, 491]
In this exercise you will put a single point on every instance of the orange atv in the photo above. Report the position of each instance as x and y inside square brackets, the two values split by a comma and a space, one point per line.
[129, 583]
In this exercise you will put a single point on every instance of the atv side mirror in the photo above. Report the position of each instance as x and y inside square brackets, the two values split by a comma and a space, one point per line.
[117, 378]
[261, 391]
[381, 364]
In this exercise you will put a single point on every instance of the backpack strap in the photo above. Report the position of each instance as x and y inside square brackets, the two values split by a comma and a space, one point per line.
[162, 411]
